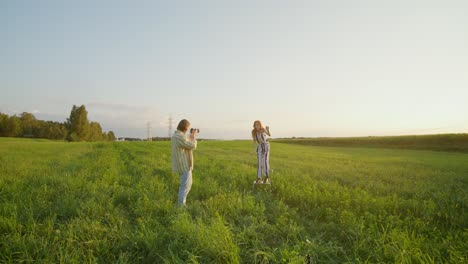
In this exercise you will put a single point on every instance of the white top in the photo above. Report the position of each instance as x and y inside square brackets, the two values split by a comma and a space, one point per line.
[261, 137]
[182, 156]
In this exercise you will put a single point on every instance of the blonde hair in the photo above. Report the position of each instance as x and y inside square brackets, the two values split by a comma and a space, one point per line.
[254, 131]
[183, 125]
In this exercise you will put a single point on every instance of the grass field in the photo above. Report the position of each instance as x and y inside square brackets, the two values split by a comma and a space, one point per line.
[116, 203]
[438, 142]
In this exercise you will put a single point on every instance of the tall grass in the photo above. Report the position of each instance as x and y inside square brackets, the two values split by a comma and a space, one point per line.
[438, 142]
[116, 203]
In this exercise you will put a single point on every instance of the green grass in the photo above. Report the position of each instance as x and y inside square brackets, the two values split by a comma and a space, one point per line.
[438, 142]
[116, 203]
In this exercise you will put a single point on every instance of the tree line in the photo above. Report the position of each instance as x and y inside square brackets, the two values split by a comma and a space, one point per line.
[76, 128]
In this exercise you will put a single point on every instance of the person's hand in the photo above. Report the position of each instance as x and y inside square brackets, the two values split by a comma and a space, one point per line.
[267, 128]
[193, 134]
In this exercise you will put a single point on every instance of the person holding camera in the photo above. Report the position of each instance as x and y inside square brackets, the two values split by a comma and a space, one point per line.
[259, 136]
[182, 157]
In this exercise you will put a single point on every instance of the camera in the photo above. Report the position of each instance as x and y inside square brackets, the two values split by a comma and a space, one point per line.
[194, 129]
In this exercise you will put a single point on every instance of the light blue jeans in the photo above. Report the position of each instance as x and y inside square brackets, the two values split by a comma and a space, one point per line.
[185, 185]
[263, 156]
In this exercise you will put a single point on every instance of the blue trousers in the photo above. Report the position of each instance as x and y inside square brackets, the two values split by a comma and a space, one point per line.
[263, 157]
[185, 185]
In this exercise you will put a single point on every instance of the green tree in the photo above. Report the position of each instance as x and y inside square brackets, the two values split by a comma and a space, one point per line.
[110, 136]
[95, 131]
[78, 124]
[3, 122]
[60, 131]
[104, 136]
[12, 127]
[29, 125]
[52, 130]
[76, 128]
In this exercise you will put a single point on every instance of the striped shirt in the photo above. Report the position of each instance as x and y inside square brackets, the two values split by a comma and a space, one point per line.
[182, 156]
[261, 137]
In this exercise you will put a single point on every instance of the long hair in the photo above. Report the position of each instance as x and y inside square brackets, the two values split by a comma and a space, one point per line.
[254, 131]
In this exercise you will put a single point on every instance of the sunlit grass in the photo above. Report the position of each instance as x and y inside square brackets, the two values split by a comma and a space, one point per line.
[116, 203]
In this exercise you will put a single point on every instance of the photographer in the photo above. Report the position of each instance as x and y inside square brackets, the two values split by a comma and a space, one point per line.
[182, 157]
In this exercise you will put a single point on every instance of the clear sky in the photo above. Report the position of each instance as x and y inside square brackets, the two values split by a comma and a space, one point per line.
[306, 68]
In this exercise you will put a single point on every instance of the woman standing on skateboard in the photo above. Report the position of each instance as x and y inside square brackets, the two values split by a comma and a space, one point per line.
[259, 136]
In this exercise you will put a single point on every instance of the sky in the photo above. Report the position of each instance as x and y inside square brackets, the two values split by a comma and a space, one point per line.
[305, 68]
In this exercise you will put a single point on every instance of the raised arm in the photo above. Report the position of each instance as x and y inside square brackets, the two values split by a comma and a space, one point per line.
[186, 143]
[267, 131]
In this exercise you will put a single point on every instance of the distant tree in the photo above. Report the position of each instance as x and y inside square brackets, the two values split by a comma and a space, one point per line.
[3, 122]
[29, 125]
[110, 136]
[104, 136]
[60, 131]
[72, 136]
[78, 124]
[95, 132]
[43, 129]
[52, 130]
[12, 126]
[76, 128]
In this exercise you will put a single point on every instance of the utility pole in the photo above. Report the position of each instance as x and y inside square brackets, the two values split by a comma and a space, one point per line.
[148, 132]
[170, 127]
